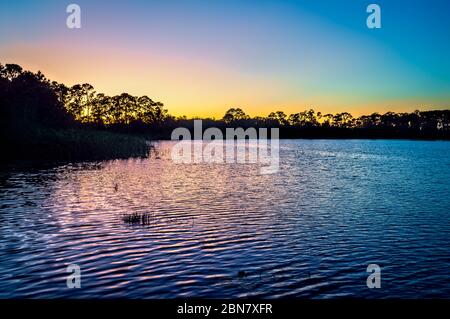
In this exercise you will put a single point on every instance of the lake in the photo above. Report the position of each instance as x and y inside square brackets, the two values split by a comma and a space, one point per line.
[225, 230]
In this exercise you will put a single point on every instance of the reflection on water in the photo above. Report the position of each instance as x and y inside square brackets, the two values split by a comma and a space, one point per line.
[225, 230]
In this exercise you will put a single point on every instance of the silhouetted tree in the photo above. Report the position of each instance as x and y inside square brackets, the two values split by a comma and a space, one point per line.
[343, 120]
[278, 118]
[10, 71]
[235, 115]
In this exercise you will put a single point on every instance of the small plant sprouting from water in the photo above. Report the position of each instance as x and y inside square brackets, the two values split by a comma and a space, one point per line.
[147, 218]
[138, 218]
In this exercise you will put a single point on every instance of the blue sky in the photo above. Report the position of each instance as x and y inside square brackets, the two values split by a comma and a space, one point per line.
[200, 57]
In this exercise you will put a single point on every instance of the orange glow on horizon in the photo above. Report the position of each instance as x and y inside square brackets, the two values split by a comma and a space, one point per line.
[194, 88]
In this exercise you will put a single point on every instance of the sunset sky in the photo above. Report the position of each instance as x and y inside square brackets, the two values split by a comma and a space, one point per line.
[201, 57]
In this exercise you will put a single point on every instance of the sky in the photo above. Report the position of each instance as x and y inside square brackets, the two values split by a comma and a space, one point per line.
[201, 57]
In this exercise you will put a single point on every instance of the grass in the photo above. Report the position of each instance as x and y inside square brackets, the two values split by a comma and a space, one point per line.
[138, 218]
[77, 144]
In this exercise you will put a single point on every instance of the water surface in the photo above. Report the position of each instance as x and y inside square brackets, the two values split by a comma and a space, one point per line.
[310, 230]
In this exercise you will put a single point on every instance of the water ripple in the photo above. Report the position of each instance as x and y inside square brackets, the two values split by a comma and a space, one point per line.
[218, 231]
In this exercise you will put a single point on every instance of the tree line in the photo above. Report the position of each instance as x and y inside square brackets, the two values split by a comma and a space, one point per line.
[417, 120]
[29, 100]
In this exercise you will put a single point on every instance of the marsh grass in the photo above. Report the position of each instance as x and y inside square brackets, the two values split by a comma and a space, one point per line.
[138, 218]
[78, 144]
[148, 218]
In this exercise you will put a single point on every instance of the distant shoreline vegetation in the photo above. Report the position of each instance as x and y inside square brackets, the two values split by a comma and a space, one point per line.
[45, 119]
